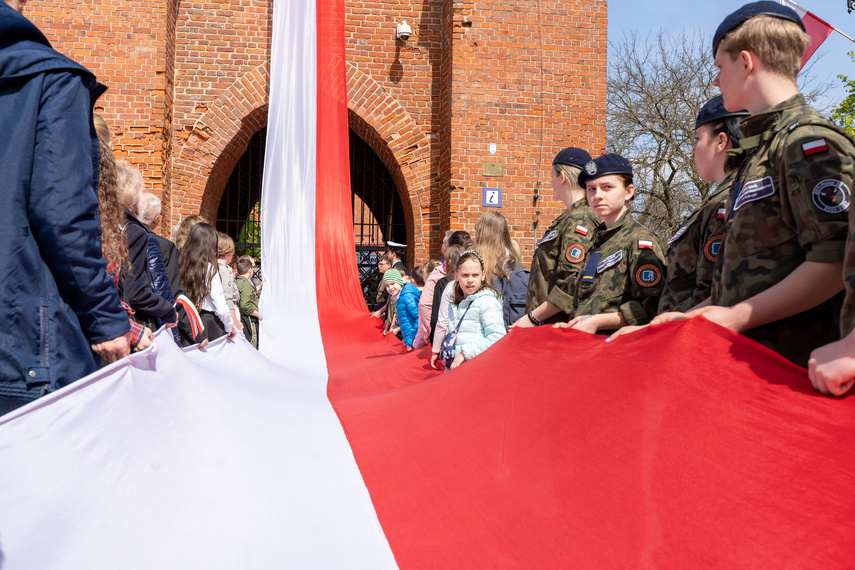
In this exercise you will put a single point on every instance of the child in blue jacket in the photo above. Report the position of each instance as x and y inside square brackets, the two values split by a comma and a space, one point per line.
[407, 296]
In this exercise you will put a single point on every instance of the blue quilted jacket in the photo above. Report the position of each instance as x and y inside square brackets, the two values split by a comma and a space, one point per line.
[482, 325]
[408, 312]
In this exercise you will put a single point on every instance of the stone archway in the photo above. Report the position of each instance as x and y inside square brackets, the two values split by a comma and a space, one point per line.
[203, 164]
[392, 133]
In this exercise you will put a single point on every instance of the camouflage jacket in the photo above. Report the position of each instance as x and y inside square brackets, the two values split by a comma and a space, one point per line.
[559, 259]
[693, 250]
[623, 273]
[847, 315]
[788, 205]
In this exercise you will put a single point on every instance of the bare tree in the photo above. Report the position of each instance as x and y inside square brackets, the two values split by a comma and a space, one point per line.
[656, 87]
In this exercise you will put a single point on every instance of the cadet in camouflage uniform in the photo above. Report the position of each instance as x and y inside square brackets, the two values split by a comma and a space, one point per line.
[560, 255]
[778, 274]
[623, 276]
[831, 368]
[693, 249]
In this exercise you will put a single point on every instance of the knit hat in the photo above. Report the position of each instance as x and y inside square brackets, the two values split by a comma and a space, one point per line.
[393, 276]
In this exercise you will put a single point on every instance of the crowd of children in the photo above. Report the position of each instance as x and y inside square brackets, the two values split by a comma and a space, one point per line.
[770, 253]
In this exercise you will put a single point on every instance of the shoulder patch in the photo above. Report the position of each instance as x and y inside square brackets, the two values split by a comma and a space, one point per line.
[581, 230]
[753, 191]
[679, 233]
[575, 253]
[610, 261]
[793, 127]
[550, 235]
[814, 147]
[831, 196]
[645, 244]
[712, 246]
[720, 214]
[648, 275]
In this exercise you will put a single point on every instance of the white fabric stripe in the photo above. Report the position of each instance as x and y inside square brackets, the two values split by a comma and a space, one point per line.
[290, 331]
[184, 460]
[214, 459]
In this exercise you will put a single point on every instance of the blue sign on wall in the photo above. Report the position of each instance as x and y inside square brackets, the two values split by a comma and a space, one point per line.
[492, 198]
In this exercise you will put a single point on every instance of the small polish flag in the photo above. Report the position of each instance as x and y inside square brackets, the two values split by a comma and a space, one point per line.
[581, 230]
[645, 244]
[817, 28]
[814, 147]
[720, 214]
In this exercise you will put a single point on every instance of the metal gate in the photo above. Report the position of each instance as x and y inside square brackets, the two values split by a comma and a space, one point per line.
[239, 214]
[378, 215]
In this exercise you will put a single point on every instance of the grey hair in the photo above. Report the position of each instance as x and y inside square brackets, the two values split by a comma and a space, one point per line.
[130, 183]
[149, 208]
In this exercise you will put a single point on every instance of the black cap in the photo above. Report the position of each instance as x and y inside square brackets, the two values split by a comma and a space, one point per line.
[607, 164]
[572, 156]
[764, 8]
[713, 111]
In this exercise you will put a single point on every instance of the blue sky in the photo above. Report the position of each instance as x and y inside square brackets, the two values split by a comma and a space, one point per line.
[676, 15]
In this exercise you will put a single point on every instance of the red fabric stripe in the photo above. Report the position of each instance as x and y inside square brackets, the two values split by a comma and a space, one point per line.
[336, 276]
[681, 446]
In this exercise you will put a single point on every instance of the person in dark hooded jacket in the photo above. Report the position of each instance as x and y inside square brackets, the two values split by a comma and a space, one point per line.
[60, 311]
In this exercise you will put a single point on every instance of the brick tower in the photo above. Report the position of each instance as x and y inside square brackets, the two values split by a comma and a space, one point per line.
[483, 94]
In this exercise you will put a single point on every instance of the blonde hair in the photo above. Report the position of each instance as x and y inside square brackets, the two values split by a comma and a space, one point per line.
[776, 42]
[225, 244]
[493, 241]
[183, 229]
[101, 128]
[130, 183]
[570, 172]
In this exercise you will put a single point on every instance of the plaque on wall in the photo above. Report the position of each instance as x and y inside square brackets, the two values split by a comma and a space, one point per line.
[493, 169]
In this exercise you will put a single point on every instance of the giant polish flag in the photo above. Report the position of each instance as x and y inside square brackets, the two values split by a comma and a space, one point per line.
[679, 446]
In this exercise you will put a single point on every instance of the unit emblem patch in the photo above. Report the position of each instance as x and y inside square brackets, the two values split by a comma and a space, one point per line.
[712, 246]
[831, 196]
[575, 253]
[648, 275]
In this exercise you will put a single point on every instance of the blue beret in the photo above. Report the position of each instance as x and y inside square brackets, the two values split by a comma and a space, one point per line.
[604, 165]
[572, 156]
[713, 111]
[764, 8]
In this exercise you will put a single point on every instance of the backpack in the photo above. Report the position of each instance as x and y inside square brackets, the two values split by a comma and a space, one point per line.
[514, 290]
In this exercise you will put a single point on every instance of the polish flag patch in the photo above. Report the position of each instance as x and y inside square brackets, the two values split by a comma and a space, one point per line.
[814, 147]
[720, 214]
[645, 244]
[582, 230]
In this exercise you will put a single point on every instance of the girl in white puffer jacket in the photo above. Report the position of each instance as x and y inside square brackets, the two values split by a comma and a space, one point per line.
[475, 313]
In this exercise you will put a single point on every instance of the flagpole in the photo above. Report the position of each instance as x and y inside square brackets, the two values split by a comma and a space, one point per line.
[842, 34]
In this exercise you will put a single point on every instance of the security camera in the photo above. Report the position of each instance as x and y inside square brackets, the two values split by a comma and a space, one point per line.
[404, 31]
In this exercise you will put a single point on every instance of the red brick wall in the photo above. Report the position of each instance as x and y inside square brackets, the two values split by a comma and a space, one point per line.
[222, 53]
[126, 46]
[527, 75]
[189, 88]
